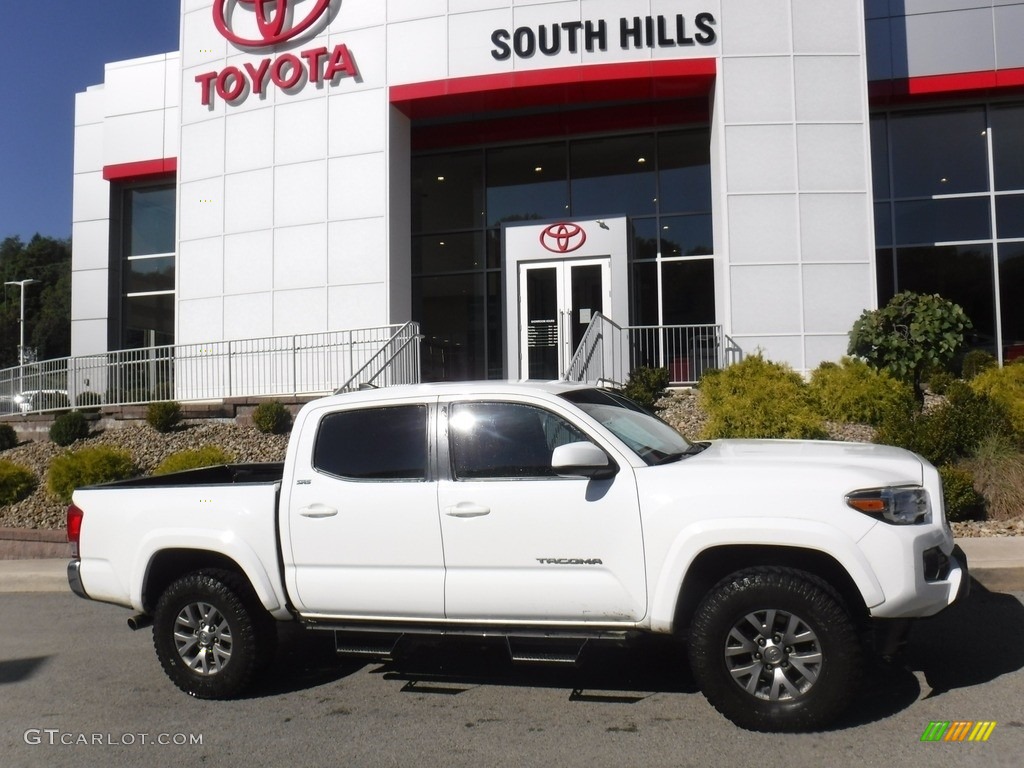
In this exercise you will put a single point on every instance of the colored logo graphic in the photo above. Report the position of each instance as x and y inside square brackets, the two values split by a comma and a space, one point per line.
[275, 19]
[958, 730]
[563, 238]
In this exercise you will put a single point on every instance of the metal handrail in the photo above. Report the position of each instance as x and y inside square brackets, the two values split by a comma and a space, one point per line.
[410, 330]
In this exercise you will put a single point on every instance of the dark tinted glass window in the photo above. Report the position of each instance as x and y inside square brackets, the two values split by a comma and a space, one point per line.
[1010, 215]
[148, 320]
[614, 175]
[937, 221]
[689, 290]
[879, 158]
[526, 183]
[374, 444]
[939, 153]
[1008, 146]
[684, 172]
[447, 191]
[1011, 278]
[505, 440]
[962, 274]
[148, 275]
[151, 213]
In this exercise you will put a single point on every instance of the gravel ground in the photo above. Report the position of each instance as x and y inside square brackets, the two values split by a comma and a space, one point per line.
[247, 444]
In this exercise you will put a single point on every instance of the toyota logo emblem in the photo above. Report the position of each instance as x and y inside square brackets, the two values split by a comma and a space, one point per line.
[274, 24]
[563, 238]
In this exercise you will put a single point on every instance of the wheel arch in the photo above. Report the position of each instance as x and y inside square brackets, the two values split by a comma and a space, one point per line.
[714, 564]
[168, 565]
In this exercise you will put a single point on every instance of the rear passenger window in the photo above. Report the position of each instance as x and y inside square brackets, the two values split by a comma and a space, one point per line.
[374, 444]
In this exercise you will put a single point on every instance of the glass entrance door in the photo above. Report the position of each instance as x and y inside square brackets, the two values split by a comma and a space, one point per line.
[557, 301]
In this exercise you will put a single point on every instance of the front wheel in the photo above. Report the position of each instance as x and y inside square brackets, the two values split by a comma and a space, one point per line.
[211, 635]
[774, 649]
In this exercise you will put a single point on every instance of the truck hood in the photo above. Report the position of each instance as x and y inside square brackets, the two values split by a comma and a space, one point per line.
[787, 456]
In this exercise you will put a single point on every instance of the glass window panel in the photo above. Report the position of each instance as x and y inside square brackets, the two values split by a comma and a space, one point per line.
[884, 266]
[450, 311]
[374, 444]
[939, 153]
[614, 176]
[151, 216]
[149, 320]
[527, 183]
[684, 171]
[645, 238]
[879, 158]
[495, 327]
[1008, 146]
[143, 275]
[688, 292]
[1010, 215]
[883, 224]
[644, 310]
[447, 191]
[962, 274]
[447, 253]
[1011, 286]
[936, 221]
[686, 235]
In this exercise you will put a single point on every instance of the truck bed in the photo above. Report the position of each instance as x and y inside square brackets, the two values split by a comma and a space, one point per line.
[224, 474]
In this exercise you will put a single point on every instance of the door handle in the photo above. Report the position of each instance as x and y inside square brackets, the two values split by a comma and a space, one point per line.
[467, 509]
[317, 511]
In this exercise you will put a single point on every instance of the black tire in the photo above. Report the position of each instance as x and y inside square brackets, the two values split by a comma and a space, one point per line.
[211, 634]
[775, 649]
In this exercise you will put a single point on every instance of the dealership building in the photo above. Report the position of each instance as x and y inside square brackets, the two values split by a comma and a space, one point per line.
[500, 171]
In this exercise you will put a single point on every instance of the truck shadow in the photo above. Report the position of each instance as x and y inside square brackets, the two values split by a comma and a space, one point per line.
[970, 644]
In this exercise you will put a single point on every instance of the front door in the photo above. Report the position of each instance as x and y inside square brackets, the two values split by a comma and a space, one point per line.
[557, 301]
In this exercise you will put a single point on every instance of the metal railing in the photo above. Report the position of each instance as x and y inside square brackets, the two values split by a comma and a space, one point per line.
[608, 352]
[308, 364]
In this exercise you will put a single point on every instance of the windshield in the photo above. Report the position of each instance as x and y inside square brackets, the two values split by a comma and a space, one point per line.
[652, 439]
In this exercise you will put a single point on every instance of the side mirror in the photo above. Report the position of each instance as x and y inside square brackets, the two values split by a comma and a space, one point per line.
[582, 459]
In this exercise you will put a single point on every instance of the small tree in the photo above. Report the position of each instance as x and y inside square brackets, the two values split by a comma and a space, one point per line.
[909, 335]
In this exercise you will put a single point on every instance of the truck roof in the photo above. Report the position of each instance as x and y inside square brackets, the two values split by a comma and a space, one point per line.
[495, 387]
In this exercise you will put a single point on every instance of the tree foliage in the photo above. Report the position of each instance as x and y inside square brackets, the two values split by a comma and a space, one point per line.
[47, 303]
[909, 335]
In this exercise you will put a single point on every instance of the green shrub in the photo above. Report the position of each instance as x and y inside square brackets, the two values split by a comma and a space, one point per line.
[8, 437]
[87, 466]
[759, 398]
[855, 392]
[940, 381]
[163, 416]
[1006, 387]
[207, 456]
[272, 418]
[962, 501]
[998, 467]
[16, 482]
[68, 428]
[976, 361]
[952, 431]
[646, 386]
[88, 399]
[909, 335]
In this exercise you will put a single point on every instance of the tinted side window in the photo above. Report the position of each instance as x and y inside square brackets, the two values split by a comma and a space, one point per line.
[374, 444]
[505, 440]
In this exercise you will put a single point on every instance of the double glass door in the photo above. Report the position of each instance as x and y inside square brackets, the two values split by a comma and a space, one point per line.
[557, 301]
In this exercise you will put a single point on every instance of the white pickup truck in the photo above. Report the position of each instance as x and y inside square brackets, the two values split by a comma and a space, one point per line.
[551, 514]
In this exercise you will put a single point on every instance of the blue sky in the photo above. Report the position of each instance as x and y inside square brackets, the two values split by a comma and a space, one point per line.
[49, 51]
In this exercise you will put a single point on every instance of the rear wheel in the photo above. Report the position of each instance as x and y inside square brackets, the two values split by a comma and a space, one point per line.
[211, 635]
[774, 649]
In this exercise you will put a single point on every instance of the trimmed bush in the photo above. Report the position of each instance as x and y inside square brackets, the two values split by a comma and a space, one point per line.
[207, 456]
[87, 466]
[759, 398]
[940, 381]
[163, 416]
[272, 418]
[962, 501]
[952, 431]
[16, 482]
[68, 428]
[1006, 387]
[8, 437]
[646, 386]
[976, 361]
[855, 392]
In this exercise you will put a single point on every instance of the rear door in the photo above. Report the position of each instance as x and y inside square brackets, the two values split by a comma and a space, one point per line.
[362, 515]
[522, 543]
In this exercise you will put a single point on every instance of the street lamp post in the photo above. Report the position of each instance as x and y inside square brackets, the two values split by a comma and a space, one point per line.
[21, 316]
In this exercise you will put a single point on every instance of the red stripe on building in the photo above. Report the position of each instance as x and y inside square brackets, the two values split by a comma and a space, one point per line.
[143, 169]
[987, 83]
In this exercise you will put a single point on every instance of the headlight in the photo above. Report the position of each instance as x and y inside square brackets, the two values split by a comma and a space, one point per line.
[905, 505]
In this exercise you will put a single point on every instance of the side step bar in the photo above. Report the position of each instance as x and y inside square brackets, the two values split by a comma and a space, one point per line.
[527, 651]
[366, 644]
